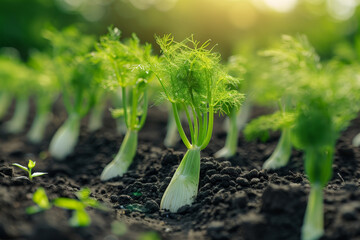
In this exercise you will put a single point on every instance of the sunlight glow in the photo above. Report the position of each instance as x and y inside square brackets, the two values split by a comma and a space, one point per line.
[282, 6]
[341, 9]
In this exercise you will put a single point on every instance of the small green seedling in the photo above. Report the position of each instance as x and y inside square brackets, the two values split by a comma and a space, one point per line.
[28, 169]
[41, 200]
[80, 218]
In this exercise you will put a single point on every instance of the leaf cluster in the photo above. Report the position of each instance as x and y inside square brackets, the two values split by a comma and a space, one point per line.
[285, 70]
[80, 218]
[78, 75]
[322, 100]
[16, 78]
[191, 75]
[28, 169]
[125, 63]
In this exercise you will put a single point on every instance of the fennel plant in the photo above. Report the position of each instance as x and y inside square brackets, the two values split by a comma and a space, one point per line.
[127, 67]
[79, 79]
[46, 90]
[192, 79]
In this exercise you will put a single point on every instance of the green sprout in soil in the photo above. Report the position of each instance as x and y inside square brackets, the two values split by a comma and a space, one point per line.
[16, 82]
[289, 62]
[193, 79]
[80, 217]
[236, 119]
[79, 79]
[325, 98]
[28, 169]
[126, 65]
[41, 201]
[46, 90]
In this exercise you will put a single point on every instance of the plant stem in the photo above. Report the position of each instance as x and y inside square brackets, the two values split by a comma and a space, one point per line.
[5, 101]
[183, 186]
[356, 140]
[313, 226]
[96, 116]
[281, 155]
[124, 157]
[179, 126]
[172, 135]
[231, 143]
[243, 115]
[66, 137]
[37, 130]
[210, 127]
[17, 123]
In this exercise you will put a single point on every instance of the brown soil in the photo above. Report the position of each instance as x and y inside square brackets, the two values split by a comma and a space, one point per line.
[236, 200]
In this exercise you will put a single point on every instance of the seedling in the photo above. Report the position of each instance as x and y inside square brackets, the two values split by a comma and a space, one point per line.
[192, 79]
[234, 67]
[17, 83]
[126, 66]
[28, 169]
[325, 99]
[280, 83]
[41, 201]
[80, 218]
[79, 78]
[46, 90]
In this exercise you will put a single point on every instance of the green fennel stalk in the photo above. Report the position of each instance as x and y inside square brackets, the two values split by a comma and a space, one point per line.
[79, 78]
[126, 66]
[192, 79]
[46, 90]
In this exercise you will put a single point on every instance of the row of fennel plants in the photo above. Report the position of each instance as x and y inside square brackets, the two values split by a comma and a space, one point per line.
[316, 102]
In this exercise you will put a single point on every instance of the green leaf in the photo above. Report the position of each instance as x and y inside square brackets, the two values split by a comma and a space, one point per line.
[33, 209]
[83, 194]
[80, 219]
[41, 199]
[260, 127]
[150, 236]
[37, 174]
[117, 113]
[21, 166]
[31, 164]
[68, 203]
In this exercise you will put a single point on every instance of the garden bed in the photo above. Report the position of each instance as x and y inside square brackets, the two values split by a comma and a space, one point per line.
[236, 199]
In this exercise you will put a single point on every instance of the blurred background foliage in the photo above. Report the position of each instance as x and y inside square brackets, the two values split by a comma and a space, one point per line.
[236, 25]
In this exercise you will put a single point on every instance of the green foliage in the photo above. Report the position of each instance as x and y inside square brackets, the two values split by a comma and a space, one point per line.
[78, 76]
[314, 126]
[28, 169]
[192, 76]
[150, 236]
[16, 77]
[260, 127]
[79, 218]
[41, 201]
[125, 63]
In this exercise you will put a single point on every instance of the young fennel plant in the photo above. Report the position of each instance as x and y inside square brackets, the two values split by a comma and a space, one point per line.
[79, 78]
[279, 84]
[236, 119]
[46, 90]
[16, 82]
[127, 66]
[324, 109]
[192, 79]
[326, 98]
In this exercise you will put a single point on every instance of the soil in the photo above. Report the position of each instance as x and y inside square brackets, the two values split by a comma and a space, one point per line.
[236, 199]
